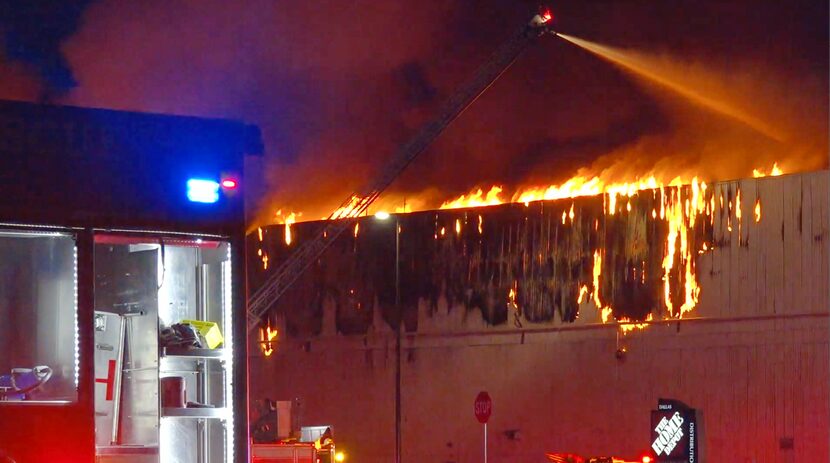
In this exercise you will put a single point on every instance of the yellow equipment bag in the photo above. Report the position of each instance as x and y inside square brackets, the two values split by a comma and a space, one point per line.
[209, 331]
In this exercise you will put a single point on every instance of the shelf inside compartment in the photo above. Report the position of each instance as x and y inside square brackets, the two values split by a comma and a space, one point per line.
[126, 450]
[170, 412]
[193, 353]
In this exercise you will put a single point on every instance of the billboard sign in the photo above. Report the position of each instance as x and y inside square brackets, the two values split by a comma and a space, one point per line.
[674, 432]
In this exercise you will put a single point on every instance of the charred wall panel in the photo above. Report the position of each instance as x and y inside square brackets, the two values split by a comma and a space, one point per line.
[738, 248]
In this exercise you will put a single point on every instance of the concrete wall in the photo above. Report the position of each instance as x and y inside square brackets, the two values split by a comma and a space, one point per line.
[756, 382]
[753, 356]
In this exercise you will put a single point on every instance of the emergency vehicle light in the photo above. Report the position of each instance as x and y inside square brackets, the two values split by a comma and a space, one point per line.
[202, 191]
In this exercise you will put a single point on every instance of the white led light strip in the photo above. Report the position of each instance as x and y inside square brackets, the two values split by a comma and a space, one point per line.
[77, 328]
[227, 306]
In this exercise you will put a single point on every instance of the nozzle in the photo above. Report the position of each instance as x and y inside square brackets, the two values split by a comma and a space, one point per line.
[543, 20]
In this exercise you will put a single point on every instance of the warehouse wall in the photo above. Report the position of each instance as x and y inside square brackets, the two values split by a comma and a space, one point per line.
[752, 356]
[756, 383]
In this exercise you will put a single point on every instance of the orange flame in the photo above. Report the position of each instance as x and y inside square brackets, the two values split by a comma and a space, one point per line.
[287, 220]
[348, 210]
[757, 210]
[476, 198]
[626, 326]
[597, 273]
[606, 314]
[774, 172]
[583, 291]
[266, 339]
[578, 185]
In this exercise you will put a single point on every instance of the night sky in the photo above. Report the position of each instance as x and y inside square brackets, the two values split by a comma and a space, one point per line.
[336, 85]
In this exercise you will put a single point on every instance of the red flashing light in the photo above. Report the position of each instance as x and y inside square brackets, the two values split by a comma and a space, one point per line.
[547, 15]
[646, 459]
[229, 184]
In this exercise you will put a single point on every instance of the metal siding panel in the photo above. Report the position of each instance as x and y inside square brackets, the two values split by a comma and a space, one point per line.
[747, 294]
[771, 429]
[818, 242]
[775, 247]
[792, 253]
[766, 191]
[808, 275]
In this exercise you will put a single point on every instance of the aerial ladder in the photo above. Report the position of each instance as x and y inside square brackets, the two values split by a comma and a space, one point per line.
[358, 203]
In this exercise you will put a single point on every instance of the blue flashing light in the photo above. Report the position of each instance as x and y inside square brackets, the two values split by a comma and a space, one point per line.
[202, 191]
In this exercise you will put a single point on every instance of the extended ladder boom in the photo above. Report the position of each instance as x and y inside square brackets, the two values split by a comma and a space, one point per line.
[290, 270]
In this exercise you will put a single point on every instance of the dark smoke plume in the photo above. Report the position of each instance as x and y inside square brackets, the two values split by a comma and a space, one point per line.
[337, 85]
[33, 32]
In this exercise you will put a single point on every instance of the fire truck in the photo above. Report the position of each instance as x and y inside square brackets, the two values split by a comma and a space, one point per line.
[116, 228]
[276, 437]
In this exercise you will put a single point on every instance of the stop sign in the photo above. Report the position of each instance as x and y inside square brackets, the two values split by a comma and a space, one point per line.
[483, 407]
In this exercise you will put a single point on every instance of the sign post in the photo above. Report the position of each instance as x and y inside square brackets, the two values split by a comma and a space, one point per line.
[483, 407]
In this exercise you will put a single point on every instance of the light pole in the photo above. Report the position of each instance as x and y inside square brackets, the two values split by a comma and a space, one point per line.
[398, 341]
[385, 216]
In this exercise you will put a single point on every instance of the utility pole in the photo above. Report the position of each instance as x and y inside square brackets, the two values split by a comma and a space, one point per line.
[398, 339]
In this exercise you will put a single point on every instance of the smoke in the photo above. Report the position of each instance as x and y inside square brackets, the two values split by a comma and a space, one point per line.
[337, 85]
[33, 32]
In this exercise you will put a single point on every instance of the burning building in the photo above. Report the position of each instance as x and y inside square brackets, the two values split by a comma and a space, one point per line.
[576, 314]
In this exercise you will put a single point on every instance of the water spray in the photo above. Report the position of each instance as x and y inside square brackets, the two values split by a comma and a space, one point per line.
[641, 67]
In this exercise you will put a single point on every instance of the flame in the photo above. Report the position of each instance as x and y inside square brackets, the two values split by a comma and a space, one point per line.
[578, 185]
[597, 273]
[266, 339]
[259, 232]
[738, 212]
[774, 172]
[626, 325]
[606, 314]
[512, 303]
[480, 225]
[356, 229]
[757, 210]
[678, 252]
[287, 220]
[738, 205]
[347, 210]
[476, 198]
[458, 227]
[583, 291]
